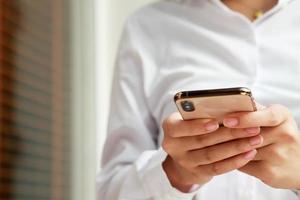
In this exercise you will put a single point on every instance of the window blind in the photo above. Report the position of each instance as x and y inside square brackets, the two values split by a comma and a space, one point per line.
[33, 101]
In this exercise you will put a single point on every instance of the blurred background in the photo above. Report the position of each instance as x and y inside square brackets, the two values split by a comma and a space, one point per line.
[56, 65]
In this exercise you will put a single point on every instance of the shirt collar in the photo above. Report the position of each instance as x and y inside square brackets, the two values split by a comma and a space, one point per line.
[281, 3]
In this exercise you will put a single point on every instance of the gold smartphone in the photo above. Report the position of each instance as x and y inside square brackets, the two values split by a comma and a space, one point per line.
[215, 103]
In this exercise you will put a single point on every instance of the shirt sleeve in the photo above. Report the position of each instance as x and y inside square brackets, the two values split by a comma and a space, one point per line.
[132, 159]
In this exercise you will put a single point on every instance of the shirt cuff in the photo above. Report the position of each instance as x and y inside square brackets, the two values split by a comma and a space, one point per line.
[156, 182]
[297, 192]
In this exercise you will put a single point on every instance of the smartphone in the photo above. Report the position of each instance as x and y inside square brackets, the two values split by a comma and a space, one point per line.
[214, 103]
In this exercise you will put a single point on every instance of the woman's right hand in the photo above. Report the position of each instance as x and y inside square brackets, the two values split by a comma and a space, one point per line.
[199, 149]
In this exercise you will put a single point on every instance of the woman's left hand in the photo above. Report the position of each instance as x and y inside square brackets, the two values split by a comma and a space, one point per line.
[277, 162]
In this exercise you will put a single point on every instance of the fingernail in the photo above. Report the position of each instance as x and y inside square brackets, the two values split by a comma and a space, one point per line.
[254, 130]
[211, 126]
[231, 122]
[255, 141]
[251, 154]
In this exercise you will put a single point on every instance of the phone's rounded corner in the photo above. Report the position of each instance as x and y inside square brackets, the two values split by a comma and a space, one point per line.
[245, 90]
[178, 96]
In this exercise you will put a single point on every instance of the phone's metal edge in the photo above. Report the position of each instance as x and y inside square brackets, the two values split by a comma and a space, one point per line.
[215, 92]
[253, 103]
[212, 92]
[178, 108]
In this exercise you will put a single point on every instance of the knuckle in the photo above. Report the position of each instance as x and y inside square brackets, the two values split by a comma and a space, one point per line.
[273, 172]
[241, 145]
[235, 133]
[184, 162]
[166, 145]
[232, 132]
[274, 118]
[285, 110]
[201, 141]
[279, 154]
[181, 161]
[276, 153]
[280, 107]
[208, 156]
[288, 136]
[216, 169]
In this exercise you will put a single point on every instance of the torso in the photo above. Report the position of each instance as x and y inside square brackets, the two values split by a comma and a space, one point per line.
[200, 45]
[197, 51]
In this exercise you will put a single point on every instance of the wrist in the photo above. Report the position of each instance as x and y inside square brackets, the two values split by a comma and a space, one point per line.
[175, 176]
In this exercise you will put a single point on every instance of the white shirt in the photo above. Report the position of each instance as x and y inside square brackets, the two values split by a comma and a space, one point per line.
[172, 46]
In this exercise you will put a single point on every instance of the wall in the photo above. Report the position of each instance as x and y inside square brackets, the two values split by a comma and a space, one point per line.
[110, 16]
[83, 120]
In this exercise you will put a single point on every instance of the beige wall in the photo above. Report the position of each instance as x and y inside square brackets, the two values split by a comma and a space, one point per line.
[110, 16]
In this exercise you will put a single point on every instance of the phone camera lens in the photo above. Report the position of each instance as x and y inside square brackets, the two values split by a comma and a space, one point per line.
[187, 106]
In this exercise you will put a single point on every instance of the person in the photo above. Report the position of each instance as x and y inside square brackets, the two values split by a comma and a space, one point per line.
[172, 46]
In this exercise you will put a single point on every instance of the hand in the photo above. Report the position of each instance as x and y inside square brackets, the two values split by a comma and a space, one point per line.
[199, 149]
[277, 162]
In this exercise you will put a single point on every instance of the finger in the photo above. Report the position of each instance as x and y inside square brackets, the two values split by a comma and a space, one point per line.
[273, 138]
[269, 173]
[252, 167]
[229, 164]
[269, 135]
[277, 135]
[255, 168]
[175, 126]
[221, 135]
[271, 153]
[223, 151]
[268, 117]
